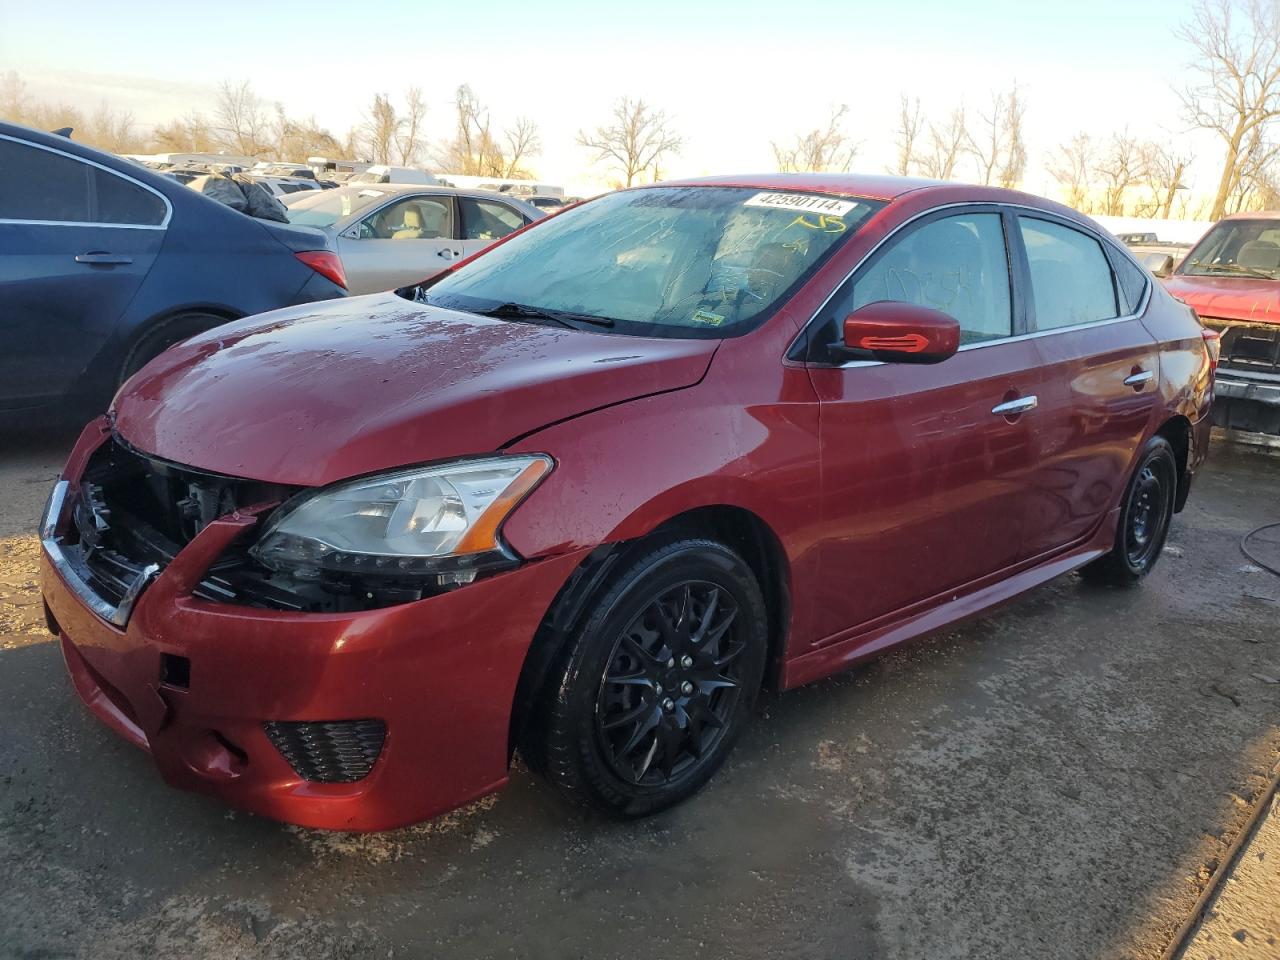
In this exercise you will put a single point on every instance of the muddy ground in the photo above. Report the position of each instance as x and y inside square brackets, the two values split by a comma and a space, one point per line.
[1057, 779]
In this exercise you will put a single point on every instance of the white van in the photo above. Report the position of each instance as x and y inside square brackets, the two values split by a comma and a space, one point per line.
[381, 173]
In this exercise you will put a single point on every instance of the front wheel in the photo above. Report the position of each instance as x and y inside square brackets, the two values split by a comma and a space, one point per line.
[658, 682]
[1144, 518]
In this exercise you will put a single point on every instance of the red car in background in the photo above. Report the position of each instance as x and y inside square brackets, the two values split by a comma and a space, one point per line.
[584, 494]
[1232, 280]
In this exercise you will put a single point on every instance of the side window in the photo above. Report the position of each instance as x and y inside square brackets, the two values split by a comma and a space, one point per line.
[40, 185]
[488, 220]
[1131, 281]
[958, 265]
[414, 218]
[1070, 275]
[120, 201]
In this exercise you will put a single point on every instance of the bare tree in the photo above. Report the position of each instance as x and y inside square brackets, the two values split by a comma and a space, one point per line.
[821, 149]
[1120, 167]
[947, 146]
[411, 139]
[381, 127]
[473, 150]
[636, 140]
[1071, 164]
[1000, 151]
[240, 119]
[1166, 167]
[13, 96]
[522, 142]
[1013, 165]
[299, 139]
[908, 134]
[111, 130]
[1256, 176]
[1237, 43]
[189, 134]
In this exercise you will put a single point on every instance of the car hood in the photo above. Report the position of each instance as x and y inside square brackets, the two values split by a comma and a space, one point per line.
[1231, 298]
[314, 394]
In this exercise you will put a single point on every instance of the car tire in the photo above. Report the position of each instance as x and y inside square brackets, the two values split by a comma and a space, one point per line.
[163, 335]
[1145, 514]
[657, 683]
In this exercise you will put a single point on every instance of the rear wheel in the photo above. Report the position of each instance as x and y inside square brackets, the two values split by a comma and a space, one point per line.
[658, 683]
[164, 335]
[1144, 519]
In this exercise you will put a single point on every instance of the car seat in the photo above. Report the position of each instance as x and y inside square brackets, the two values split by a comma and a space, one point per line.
[1259, 255]
[410, 227]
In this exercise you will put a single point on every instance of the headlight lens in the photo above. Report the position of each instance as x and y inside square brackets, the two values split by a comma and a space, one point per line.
[410, 521]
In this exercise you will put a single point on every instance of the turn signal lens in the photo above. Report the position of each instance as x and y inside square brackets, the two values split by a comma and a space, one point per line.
[326, 263]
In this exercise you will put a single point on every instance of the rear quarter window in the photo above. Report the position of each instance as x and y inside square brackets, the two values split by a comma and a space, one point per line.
[1070, 275]
[119, 201]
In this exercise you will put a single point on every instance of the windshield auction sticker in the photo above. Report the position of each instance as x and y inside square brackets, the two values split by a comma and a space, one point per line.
[802, 202]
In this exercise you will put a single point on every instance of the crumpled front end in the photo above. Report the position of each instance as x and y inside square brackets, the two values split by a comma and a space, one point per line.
[1247, 384]
[363, 713]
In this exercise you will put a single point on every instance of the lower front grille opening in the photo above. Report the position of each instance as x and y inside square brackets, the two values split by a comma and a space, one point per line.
[175, 671]
[328, 751]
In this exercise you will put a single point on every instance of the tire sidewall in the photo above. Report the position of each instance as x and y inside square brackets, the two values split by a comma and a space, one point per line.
[594, 646]
[1159, 453]
[160, 336]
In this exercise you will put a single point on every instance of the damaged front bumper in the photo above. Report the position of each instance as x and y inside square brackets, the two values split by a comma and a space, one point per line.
[1247, 383]
[356, 720]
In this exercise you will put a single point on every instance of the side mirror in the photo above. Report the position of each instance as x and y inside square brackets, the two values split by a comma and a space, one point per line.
[1160, 264]
[901, 333]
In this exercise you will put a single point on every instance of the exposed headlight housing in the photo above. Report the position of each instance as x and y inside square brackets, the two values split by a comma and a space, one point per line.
[440, 520]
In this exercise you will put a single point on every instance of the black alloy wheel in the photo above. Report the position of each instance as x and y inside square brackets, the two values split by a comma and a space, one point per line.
[657, 680]
[671, 685]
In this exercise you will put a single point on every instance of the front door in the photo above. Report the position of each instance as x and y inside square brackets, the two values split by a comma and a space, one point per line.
[405, 242]
[923, 474]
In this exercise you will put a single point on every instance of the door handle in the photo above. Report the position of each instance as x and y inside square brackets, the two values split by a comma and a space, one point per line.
[1138, 379]
[447, 254]
[108, 259]
[1011, 408]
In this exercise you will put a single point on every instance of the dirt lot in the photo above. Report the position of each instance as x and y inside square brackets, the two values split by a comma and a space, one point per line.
[1055, 780]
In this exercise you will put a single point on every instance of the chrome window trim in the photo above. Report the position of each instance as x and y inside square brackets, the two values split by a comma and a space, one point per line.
[851, 364]
[117, 615]
[162, 225]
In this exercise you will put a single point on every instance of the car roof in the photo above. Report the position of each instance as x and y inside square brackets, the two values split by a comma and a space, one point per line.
[1255, 215]
[397, 189]
[870, 186]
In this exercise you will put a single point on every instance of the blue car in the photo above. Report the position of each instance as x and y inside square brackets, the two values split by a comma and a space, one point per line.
[104, 264]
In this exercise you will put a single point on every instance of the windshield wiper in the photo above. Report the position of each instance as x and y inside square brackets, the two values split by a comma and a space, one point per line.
[565, 318]
[1233, 268]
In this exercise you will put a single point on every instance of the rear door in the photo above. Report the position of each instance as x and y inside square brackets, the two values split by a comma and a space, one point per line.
[923, 476]
[1100, 381]
[76, 242]
[406, 241]
[484, 221]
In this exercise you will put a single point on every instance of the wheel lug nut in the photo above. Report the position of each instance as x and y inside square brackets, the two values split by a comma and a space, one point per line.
[668, 704]
[657, 688]
[686, 661]
[686, 688]
[671, 663]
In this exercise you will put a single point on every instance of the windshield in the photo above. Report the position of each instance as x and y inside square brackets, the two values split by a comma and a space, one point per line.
[324, 208]
[662, 261]
[1242, 248]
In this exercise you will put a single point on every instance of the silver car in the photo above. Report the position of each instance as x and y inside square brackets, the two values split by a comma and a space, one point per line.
[393, 234]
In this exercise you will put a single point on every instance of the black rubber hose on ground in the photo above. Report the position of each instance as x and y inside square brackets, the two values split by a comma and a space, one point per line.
[1244, 547]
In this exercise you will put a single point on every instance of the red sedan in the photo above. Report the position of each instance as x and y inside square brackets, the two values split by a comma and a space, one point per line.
[583, 495]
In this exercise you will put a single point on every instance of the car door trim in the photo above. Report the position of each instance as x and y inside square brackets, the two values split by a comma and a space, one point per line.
[1014, 207]
[162, 225]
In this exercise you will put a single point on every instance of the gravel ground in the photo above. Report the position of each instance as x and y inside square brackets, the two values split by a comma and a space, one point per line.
[1057, 779]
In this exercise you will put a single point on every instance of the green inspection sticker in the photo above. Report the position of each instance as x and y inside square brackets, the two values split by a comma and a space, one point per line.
[707, 317]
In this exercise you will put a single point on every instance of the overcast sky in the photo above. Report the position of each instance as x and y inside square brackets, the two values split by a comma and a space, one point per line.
[732, 75]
